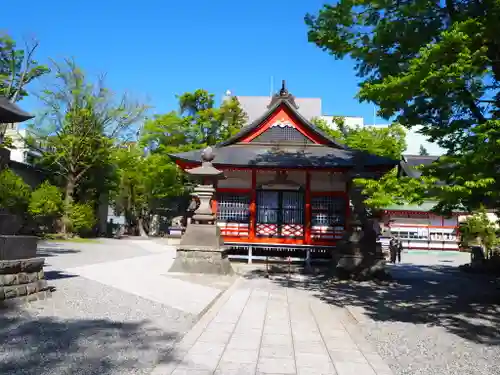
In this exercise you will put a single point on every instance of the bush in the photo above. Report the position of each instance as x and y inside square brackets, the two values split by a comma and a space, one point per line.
[46, 202]
[14, 192]
[81, 218]
[479, 230]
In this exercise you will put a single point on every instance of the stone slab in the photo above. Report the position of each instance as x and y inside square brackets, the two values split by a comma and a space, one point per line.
[17, 247]
[200, 261]
[203, 237]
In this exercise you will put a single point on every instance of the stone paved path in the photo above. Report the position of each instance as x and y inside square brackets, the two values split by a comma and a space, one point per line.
[260, 327]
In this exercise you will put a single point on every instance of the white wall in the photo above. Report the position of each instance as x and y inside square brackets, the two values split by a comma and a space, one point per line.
[348, 120]
[18, 153]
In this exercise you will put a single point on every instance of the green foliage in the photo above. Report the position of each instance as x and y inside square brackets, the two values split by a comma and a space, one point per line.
[479, 229]
[387, 141]
[14, 192]
[383, 141]
[82, 123]
[393, 189]
[197, 123]
[143, 182]
[18, 68]
[81, 217]
[434, 64]
[46, 201]
[232, 118]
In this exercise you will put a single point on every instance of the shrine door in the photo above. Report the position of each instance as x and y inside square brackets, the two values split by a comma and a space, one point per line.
[280, 214]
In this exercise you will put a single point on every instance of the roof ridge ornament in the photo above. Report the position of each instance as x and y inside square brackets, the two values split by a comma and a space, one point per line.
[282, 95]
[283, 91]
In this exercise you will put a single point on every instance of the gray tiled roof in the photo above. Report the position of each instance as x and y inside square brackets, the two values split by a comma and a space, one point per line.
[411, 162]
[11, 113]
[292, 156]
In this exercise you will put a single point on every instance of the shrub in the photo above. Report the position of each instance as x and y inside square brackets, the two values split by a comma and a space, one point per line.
[478, 229]
[14, 192]
[81, 217]
[46, 202]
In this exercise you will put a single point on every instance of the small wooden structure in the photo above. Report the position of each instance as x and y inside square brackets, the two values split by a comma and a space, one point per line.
[285, 190]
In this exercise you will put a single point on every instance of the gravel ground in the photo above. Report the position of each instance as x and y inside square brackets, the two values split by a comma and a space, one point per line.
[434, 320]
[87, 327]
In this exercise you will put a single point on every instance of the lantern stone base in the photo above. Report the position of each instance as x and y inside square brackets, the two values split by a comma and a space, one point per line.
[358, 257]
[17, 247]
[202, 251]
[22, 280]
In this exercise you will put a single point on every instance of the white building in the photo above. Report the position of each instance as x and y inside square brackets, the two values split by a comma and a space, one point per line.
[21, 152]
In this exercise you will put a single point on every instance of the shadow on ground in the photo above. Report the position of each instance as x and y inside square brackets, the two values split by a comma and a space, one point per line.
[42, 345]
[57, 275]
[51, 251]
[438, 295]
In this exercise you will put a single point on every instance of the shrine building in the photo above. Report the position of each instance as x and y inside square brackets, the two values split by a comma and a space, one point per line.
[286, 187]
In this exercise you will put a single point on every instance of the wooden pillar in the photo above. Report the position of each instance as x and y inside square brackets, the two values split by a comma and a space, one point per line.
[253, 207]
[308, 216]
[214, 199]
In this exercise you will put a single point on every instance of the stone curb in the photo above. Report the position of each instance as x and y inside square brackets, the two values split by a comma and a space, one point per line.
[182, 345]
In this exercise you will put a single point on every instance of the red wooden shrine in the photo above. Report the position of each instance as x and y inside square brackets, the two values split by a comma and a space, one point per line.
[285, 180]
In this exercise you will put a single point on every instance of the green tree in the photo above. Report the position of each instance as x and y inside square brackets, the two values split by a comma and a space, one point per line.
[423, 151]
[435, 64]
[383, 141]
[46, 201]
[479, 229]
[46, 204]
[80, 218]
[81, 124]
[232, 118]
[146, 178]
[14, 192]
[18, 68]
[143, 183]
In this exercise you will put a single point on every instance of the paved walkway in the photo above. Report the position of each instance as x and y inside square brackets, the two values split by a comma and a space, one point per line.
[260, 327]
[147, 276]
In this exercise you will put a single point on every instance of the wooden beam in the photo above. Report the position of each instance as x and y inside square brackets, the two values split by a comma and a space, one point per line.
[307, 224]
[253, 205]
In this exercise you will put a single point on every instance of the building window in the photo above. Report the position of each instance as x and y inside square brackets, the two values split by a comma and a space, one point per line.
[280, 214]
[233, 214]
[327, 217]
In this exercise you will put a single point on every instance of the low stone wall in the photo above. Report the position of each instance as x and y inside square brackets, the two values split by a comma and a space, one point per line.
[22, 280]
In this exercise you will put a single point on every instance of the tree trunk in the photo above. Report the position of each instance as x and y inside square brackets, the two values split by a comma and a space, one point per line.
[68, 200]
[140, 225]
[154, 229]
[358, 255]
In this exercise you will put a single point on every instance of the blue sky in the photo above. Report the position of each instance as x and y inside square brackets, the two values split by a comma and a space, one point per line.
[156, 49]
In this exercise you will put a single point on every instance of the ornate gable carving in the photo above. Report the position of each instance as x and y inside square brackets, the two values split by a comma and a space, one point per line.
[282, 132]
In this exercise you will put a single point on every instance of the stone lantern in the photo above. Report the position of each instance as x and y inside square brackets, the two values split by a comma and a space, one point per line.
[202, 247]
